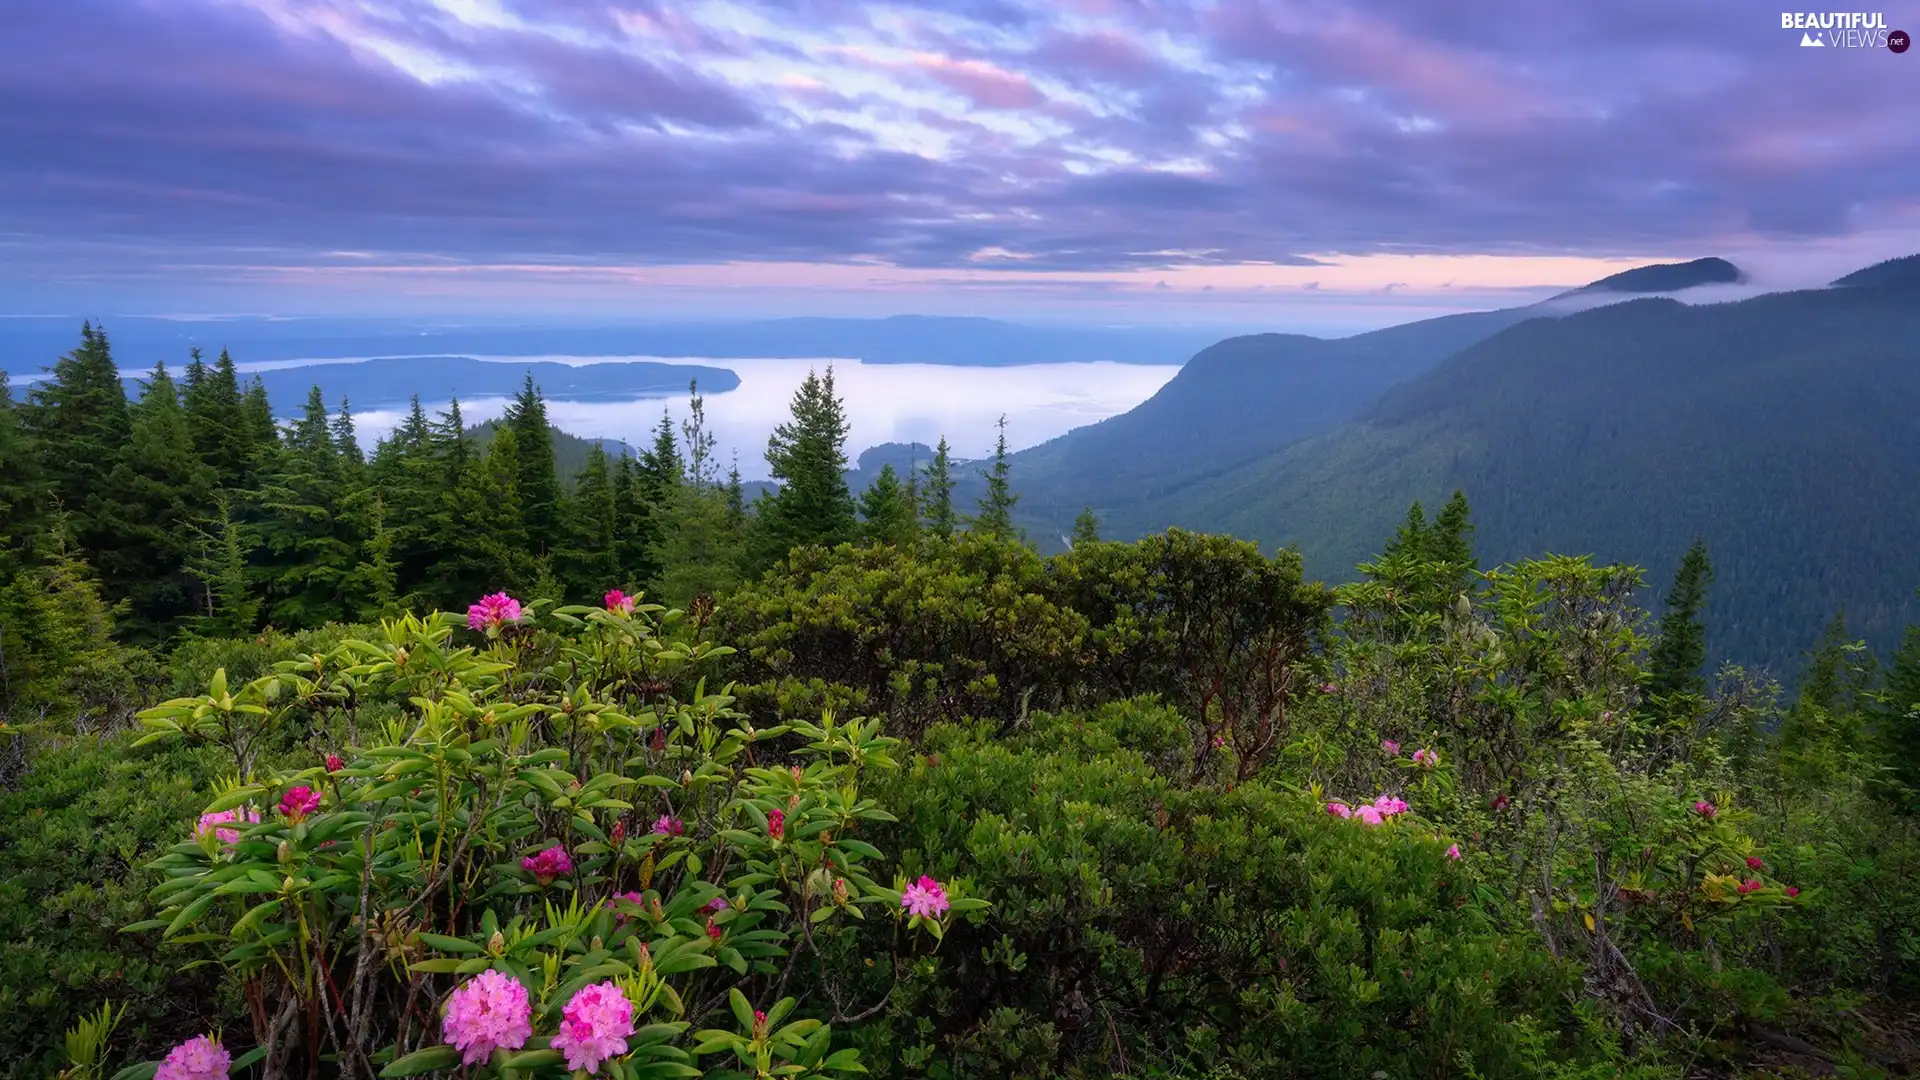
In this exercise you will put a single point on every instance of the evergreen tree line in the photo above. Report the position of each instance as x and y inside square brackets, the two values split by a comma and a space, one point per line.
[188, 509]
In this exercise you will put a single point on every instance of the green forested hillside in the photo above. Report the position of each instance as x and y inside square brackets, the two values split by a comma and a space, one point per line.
[1781, 429]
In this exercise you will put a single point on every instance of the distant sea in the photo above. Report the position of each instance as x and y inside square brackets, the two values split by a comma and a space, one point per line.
[885, 403]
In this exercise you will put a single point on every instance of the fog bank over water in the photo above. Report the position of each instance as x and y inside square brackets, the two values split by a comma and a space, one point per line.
[884, 402]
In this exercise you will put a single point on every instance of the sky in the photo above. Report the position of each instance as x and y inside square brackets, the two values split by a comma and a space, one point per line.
[1210, 162]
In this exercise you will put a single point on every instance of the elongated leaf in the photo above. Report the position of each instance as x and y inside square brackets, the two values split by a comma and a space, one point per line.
[432, 1059]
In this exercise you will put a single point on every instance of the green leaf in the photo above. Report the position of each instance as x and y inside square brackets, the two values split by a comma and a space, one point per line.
[451, 944]
[432, 1059]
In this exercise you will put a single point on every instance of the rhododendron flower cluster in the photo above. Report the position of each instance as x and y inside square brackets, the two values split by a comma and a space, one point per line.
[594, 1026]
[613, 904]
[1793, 890]
[1380, 809]
[335, 763]
[199, 1058]
[776, 824]
[1499, 803]
[1754, 862]
[298, 802]
[925, 898]
[547, 865]
[718, 903]
[619, 601]
[493, 611]
[1748, 886]
[1705, 809]
[1392, 748]
[210, 824]
[1453, 852]
[668, 825]
[1429, 758]
[489, 1012]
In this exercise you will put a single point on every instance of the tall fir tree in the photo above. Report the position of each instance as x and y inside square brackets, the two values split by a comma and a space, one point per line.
[938, 500]
[220, 562]
[807, 456]
[82, 427]
[309, 546]
[535, 478]
[887, 515]
[1895, 717]
[345, 443]
[633, 527]
[262, 439]
[223, 435]
[160, 491]
[995, 518]
[589, 564]
[1674, 663]
[22, 490]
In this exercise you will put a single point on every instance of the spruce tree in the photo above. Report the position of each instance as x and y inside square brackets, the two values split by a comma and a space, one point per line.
[82, 428]
[310, 546]
[1086, 527]
[940, 517]
[1896, 721]
[223, 435]
[219, 561]
[160, 491]
[1411, 539]
[995, 518]
[22, 492]
[261, 435]
[345, 442]
[535, 479]
[807, 456]
[589, 562]
[633, 527]
[1674, 664]
[887, 516]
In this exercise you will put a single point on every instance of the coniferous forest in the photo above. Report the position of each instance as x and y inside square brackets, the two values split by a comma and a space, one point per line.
[445, 756]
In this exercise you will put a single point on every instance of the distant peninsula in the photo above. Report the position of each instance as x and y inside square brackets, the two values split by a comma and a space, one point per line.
[391, 382]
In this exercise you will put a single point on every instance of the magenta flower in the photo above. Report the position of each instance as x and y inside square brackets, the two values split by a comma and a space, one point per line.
[619, 601]
[335, 763]
[1453, 852]
[776, 824]
[594, 1026]
[488, 1012]
[1705, 809]
[199, 1058]
[1754, 863]
[613, 904]
[493, 611]
[1748, 886]
[713, 931]
[1429, 758]
[1329, 688]
[718, 903]
[1499, 802]
[1369, 815]
[1793, 890]
[210, 824]
[925, 898]
[1339, 809]
[547, 865]
[1219, 741]
[668, 825]
[1392, 748]
[619, 835]
[298, 802]
[1389, 806]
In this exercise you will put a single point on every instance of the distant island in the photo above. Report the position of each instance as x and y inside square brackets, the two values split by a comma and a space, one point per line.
[391, 382]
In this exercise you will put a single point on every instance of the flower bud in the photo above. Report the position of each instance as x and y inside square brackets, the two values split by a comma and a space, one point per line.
[497, 944]
[840, 891]
[686, 777]
[286, 853]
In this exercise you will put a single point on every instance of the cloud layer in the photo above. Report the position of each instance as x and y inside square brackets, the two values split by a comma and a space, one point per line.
[289, 141]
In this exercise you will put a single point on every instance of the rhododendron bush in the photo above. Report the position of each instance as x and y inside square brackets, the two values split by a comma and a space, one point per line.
[558, 853]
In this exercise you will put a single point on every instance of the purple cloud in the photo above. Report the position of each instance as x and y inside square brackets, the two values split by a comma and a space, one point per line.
[1081, 136]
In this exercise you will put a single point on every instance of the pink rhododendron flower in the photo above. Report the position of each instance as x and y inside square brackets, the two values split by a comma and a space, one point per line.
[613, 904]
[668, 825]
[1793, 890]
[1329, 688]
[1499, 802]
[776, 824]
[1388, 805]
[298, 802]
[488, 1012]
[1219, 741]
[1428, 758]
[1339, 809]
[493, 611]
[619, 834]
[1754, 862]
[211, 824]
[547, 865]
[1748, 886]
[594, 1026]
[1369, 815]
[199, 1058]
[1705, 809]
[718, 903]
[925, 898]
[713, 931]
[335, 763]
[1392, 748]
[619, 601]
[1453, 852]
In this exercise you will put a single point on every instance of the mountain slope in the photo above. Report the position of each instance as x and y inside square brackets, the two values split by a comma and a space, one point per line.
[1780, 428]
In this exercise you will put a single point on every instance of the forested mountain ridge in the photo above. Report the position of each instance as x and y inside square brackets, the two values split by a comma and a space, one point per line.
[1778, 428]
[1246, 397]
